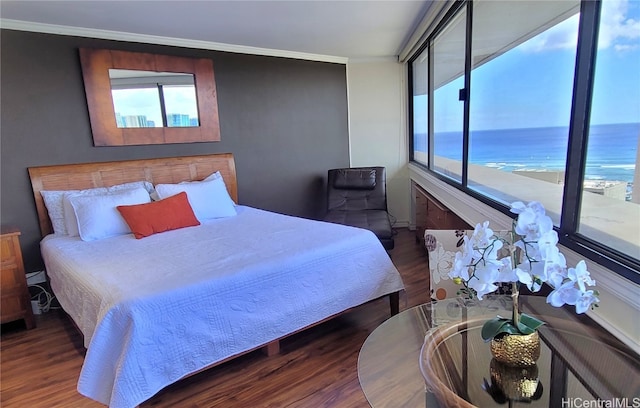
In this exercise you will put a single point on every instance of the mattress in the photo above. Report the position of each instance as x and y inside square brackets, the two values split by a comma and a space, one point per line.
[157, 309]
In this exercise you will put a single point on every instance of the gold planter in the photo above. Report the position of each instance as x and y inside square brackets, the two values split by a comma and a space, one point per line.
[515, 383]
[516, 350]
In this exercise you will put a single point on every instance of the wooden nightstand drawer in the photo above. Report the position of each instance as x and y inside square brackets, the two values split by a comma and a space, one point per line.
[14, 300]
[8, 252]
[9, 280]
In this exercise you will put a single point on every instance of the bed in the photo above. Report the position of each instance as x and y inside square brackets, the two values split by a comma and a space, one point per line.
[157, 309]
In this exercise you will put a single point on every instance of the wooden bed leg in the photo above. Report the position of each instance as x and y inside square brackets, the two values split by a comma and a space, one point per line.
[272, 348]
[394, 303]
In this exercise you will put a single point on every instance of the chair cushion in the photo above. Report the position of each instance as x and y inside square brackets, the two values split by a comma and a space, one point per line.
[442, 246]
[376, 221]
[355, 179]
[356, 189]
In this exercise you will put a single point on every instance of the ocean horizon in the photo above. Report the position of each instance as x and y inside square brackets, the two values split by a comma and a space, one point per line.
[611, 155]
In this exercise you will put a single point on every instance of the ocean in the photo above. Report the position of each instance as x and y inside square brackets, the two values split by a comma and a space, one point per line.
[611, 153]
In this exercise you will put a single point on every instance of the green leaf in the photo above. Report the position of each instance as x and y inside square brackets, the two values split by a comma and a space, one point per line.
[524, 329]
[530, 322]
[492, 327]
[495, 326]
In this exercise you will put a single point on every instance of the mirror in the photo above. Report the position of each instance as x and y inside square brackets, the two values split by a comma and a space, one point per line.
[138, 98]
[153, 99]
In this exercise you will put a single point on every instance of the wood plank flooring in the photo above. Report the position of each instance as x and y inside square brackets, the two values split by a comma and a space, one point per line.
[315, 368]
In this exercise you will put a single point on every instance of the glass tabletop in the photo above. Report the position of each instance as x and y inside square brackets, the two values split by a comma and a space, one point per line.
[578, 363]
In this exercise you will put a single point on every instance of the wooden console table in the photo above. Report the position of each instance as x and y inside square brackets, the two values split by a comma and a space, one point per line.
[431, 214]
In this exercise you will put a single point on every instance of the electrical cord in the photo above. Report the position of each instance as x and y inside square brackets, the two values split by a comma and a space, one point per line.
[44, 298]
[393, 221]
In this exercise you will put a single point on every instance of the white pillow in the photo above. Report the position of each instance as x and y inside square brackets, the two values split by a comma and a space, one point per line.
[213, 176]
[98, 216]
[130, 186]
[70, 219]
[54, 200]
[209, 199]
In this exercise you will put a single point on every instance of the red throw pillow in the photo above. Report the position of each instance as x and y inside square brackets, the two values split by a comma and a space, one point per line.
[159, 216]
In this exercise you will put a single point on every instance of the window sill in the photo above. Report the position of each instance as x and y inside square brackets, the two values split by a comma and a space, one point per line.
[617, 293]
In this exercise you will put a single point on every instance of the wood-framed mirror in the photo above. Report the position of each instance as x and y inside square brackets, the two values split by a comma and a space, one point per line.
[184, 109]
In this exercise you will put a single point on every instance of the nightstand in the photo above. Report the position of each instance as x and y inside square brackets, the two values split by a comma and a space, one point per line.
[15, 300]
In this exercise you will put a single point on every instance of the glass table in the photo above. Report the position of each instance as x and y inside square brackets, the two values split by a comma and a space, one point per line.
[579, 362]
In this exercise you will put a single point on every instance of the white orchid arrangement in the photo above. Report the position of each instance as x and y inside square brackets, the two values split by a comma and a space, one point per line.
[533, 258]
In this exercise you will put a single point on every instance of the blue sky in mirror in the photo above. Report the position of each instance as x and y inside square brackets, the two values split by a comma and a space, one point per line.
[542, 68]
[145, 102]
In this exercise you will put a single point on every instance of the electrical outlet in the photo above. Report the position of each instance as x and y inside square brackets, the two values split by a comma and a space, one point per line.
[34, 278]
[36, 307]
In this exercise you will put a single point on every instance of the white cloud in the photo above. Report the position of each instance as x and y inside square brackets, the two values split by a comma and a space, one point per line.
[561, 36]
[625, 48]
[616, 28]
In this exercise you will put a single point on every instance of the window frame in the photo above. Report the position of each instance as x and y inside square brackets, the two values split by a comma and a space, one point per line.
[589, 23]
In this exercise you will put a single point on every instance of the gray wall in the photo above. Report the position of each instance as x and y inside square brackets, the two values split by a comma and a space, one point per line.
[284, 120]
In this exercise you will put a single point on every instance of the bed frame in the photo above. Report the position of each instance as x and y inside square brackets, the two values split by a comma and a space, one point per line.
[162, 170]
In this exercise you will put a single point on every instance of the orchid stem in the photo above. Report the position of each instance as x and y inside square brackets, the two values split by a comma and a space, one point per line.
[515, 317]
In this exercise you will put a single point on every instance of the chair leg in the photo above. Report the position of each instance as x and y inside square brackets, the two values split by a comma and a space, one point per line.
[394, 303]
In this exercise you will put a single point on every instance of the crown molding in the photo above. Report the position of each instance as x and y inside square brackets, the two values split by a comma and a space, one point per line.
[367, 60]
[154, 39]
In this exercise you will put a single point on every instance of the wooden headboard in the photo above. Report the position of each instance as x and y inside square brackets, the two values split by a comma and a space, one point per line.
[104, 174]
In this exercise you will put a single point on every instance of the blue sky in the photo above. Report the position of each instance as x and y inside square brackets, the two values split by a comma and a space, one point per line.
[178, 100]
[531, 85]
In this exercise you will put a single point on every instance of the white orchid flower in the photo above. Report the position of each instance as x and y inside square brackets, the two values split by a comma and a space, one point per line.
[526, 224]
[585, 301]
[524, 277]
[533, 267]
[482, 235]
[506, 273]
[581, 276]
[555, 267]
[566, 293]
[533, 259]
[483, 280]
[532, 220]
[517, 207]
[545, 224]
[547, 241]
[492, 250]
[462, 261]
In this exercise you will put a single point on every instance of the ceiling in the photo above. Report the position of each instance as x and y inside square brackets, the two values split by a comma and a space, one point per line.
[347, 29]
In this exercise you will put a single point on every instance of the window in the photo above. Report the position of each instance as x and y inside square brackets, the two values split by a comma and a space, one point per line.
[520, 102]
[609, 202]
[419, 107]
[517, 113]
[448, 105]
[148, 116]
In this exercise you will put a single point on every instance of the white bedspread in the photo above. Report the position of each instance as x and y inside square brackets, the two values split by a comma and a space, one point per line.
[156, 309]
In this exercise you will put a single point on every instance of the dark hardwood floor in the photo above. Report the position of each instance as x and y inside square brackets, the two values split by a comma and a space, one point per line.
[315, 368]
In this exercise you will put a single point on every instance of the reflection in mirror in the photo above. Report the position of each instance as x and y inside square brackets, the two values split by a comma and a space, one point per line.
[153, 99]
